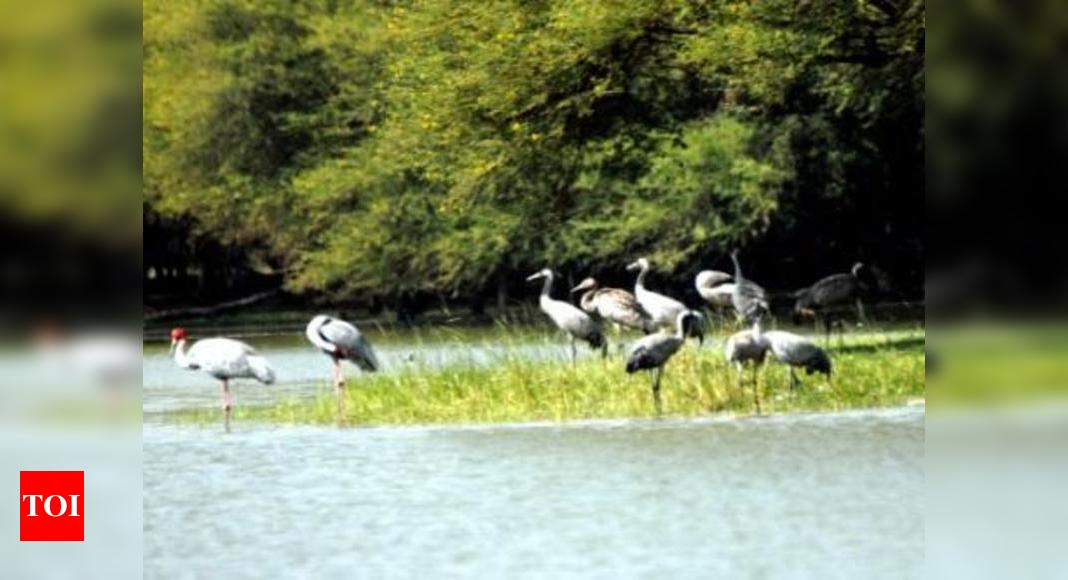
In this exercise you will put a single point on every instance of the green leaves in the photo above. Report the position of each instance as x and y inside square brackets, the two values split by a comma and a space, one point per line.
[387, 150]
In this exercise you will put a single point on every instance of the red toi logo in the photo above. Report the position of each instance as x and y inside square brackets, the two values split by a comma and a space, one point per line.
[51, 506]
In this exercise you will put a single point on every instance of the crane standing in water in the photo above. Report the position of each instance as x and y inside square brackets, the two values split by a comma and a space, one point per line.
[223, 358]
[577, 324]
[340, 341]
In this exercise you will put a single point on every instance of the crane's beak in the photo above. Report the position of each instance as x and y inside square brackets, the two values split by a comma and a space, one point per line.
[534, 276]
[174, 343]
[581, 287]
[633, 266]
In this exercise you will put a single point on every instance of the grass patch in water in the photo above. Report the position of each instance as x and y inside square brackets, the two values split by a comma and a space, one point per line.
[872, 370]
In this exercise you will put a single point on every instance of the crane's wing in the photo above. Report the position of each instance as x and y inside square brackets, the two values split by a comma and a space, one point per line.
[222, 357]
[834, 289]
[749, 299]
[622, 307]
[707, 279]
[351, 343]
[574, 321]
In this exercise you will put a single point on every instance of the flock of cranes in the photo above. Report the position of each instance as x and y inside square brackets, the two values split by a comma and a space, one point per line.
[665, 322]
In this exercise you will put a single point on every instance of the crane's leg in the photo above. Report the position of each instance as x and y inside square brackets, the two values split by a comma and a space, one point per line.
[227, 400]
[739, 367]
[339, 377]
[756, 389]
[862, 318]
[656, 391]
[574, 353]
[227, 404]
[793, 379]
[339, 389]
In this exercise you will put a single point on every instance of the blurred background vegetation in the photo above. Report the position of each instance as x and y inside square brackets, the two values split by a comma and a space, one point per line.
[411, 154]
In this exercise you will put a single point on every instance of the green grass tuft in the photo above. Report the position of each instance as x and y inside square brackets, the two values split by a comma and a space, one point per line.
[870, 371]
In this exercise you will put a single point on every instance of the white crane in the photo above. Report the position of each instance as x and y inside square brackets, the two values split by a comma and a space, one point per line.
[576, 323]
[748, 346]
[798, 352]
[715, 287]
[663, 310]
[340, 341]
[652, 352]
[223, 358]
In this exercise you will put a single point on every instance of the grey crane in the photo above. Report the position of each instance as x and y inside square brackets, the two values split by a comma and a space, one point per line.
[223, 358]
[749, 300]
[663, 310]
[614, 305]
[652, 352]
[798, 352]
[340, 341]
[819, 299]
[748, 347]
[576, 323]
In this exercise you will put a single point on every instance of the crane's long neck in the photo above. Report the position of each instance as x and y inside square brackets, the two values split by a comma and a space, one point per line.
[758, 332]
[317, 339]
[640, 283]
[586, 302]
[738, 278]
[180, 356]
[680, 326]
[547, 287]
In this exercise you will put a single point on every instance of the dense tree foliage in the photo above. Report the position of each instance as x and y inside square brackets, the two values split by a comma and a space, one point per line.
[398, 149]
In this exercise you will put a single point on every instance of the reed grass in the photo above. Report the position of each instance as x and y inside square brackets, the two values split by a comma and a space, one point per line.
[871, 370]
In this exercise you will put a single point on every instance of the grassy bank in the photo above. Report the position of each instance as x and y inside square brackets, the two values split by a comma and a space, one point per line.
[870, 371]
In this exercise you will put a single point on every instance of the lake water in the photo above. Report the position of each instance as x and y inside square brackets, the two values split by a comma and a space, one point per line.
[819, 496]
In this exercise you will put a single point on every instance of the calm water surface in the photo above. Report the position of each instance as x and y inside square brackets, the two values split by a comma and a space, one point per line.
[816, 496]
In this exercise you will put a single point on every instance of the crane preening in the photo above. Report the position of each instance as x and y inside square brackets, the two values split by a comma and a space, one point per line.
[223, 358]
[340, 341]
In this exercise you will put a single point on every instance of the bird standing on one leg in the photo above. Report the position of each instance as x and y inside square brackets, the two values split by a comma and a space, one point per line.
[653, 352]
[577, 324]
[340, 341]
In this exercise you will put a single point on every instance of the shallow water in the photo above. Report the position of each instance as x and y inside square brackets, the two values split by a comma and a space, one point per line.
[828, 496]
[303, 371]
